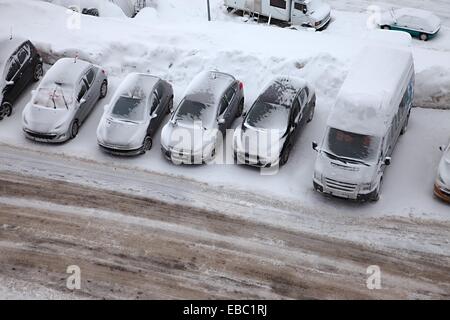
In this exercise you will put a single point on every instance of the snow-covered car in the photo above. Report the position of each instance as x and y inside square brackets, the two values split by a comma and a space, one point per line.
[272, 125]
[442, 184]
[419, 23]
[20, 64]
[371, 112]
[137, 110]
[64, 99]
[211, 103]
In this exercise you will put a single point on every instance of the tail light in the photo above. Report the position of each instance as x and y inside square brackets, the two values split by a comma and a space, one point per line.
[241, 86]
[104, 72]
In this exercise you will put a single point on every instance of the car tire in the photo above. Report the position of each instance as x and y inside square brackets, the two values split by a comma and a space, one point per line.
[170, 105]
[240, 109]
[74, 128]
[103, 89]
[386, 27]
[148, 143]
[38, 72]
[423, 37]
[376, 194]
[311, 114]
[284, 158]
[5, 110]
[405, 125]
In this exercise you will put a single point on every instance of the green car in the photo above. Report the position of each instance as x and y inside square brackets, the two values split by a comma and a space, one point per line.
[418, 23]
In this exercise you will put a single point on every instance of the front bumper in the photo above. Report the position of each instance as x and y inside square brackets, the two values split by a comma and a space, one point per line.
[254, 161]
[120, 151]
[442, 193]
[355, 195]
[178, 157]
[46, 137]
[323, 24]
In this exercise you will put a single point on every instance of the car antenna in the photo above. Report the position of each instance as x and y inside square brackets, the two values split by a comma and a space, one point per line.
[76, 58]
[11, 33]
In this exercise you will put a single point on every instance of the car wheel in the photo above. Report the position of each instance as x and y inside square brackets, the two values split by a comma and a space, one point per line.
[38, 72]
[376, 195]
[148, 143]
[5, 110]
[240, 110]
[311, 114]
[285, 155]
[405, 126]
[74, 128]
[104, 89]
[423, 37]
[170, 105]
[386, 28]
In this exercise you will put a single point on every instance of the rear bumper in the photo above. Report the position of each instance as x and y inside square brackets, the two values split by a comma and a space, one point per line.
[441, 194]
[342, 195]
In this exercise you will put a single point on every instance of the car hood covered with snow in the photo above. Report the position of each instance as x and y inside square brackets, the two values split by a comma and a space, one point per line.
[266, 144]
[188, 138]
[320, 11]
[120, 133]
[47, 120]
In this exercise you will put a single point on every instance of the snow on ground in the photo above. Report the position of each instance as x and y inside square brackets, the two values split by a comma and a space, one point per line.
[173, 40]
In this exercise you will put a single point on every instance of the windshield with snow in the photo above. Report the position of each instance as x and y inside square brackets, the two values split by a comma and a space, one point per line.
[59, 96]
[264, 115]
[129, 108]
[351, 146]
[192, 111]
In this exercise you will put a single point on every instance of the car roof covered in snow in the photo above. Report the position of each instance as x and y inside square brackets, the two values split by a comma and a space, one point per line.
[430, 22]
[66, 70]
[282, 90]
[208, 87]
[7, 48]
[138, 85]
[370, 95]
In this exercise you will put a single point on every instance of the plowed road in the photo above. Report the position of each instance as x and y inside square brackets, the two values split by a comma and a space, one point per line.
[142, 235]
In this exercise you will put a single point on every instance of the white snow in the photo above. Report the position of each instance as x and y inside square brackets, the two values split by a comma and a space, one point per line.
[174, 41]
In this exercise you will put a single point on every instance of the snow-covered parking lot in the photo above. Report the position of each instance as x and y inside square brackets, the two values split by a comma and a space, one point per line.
[174, 41]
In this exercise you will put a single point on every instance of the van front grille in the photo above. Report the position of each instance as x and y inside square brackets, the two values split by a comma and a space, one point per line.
[341, 186]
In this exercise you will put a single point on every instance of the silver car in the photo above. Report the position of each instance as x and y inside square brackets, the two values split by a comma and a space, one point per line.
[211, 103]
[64, 99]
[137, 110]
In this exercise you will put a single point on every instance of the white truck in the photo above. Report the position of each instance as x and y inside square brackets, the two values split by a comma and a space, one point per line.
[307, 13]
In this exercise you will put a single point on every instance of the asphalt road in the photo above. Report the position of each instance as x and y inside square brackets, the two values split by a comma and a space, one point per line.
[172, 238]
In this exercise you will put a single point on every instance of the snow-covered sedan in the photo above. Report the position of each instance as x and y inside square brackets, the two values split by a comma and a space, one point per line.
[64, 99]
[211, 103]
[442, 185]
[20, 64]
[272, 124]
[136, 112]
[419, 23]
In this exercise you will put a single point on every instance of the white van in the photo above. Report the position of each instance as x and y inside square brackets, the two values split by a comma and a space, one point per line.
[371, 112]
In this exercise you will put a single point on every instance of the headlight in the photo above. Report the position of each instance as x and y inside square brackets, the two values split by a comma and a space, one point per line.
[317, 175]
[440, 180]
[366, 187]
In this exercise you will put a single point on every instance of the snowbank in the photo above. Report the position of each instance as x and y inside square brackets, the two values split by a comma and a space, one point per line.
[433, 88]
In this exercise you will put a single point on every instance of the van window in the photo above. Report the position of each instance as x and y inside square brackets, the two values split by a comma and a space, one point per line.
[348, 145]
[278, 4]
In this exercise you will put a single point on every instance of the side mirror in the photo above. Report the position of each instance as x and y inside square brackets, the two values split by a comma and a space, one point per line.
[442, 148]
[106, 107]
[315, 146]
[305, 11]
[153, 116]
[9, 83]
[244, 114]
[387, 161]
[82, 100]
[221, 121]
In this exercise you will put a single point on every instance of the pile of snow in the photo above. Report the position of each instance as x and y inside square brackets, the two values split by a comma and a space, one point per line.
[106, 8]
[433, 88]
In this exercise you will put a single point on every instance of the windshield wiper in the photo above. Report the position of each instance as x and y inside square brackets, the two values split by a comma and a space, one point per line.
[345, 159]
[335, 157]
[64, 99]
